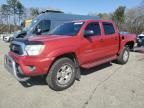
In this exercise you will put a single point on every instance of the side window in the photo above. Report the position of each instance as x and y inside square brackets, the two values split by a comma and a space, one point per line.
[44, 25]
[95, 28]
[108, 28]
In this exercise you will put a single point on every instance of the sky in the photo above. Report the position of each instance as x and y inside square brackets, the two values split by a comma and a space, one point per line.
[80, 6]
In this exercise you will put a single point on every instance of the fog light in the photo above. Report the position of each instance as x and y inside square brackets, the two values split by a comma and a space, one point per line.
[31, 68]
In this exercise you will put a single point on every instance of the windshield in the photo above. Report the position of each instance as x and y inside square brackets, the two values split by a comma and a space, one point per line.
[70, 29]
[30, 28]
[32, 23]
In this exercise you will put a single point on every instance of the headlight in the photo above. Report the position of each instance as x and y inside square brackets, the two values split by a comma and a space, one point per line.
[34, 49]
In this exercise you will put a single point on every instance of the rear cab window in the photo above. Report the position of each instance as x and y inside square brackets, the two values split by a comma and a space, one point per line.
[108, 28]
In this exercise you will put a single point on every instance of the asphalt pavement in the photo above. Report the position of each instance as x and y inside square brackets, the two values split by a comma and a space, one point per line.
[107, 86]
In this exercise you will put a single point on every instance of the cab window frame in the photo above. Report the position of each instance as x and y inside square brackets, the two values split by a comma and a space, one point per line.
[113, 31]
[98, 26]
[42, 23]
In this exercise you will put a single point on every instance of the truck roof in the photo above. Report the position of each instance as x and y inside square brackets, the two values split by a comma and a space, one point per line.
[93, 20]
[63, 16]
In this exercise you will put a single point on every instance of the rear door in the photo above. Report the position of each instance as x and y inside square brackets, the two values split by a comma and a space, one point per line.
[110, 39]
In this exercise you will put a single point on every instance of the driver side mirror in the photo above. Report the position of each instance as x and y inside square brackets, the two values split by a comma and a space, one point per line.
[88, 33]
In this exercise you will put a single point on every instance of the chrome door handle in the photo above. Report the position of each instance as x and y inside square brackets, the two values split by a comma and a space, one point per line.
[101, 40]
[116, 38]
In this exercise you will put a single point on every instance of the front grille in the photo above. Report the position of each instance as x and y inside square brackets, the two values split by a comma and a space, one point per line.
[16, 49]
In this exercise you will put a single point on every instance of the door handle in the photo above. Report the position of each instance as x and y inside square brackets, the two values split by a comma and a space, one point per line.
[101, 40]
[116, 38]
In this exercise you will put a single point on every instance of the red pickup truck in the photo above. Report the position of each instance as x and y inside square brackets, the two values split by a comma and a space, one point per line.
[60, 54]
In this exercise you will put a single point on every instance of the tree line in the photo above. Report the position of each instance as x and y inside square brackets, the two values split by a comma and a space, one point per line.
[13, 12]
[14, 9]
[129, 20]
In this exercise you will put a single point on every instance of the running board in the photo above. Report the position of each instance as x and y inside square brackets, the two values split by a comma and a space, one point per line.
[90, 65]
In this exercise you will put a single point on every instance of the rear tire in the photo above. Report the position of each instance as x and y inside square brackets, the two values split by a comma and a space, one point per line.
[124, 56]
[62, 74]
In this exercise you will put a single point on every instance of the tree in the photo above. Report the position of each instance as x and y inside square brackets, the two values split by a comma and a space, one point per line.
[34, 12]
[135, 20]
[16, 8]
[105, 16]
[5, 14]
[13, 8]
[119, 16]
[5, 11]
[20, 10]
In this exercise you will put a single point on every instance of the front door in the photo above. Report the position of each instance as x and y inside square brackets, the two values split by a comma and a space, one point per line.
[92, 45]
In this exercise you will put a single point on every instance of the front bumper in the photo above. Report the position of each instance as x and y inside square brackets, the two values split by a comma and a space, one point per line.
[22, 65]
[10, 65]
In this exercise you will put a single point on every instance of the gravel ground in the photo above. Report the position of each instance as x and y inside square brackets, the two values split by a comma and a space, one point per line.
[106, 86]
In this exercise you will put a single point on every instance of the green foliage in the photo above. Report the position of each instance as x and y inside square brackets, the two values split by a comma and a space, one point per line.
[119, 14]
[135, 20]
[34, 12]
[4, 8]
[16, 8]
[131, 20]
[13, 9]
[12, 5]
[4, 28]
[105, 16]
[20, 8]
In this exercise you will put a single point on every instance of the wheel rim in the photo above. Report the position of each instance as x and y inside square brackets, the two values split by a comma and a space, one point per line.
[64, 74]
[125, 56]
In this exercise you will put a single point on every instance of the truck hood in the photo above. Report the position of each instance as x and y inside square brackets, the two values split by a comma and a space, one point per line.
[46, 38]
[40, 39]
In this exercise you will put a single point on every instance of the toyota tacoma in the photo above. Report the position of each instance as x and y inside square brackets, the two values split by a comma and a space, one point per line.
[70, 46]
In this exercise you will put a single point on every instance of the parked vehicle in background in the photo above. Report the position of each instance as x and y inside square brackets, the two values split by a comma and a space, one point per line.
[26, 23]
[140, 40]
[48, 20]
[60, 54]
[7, 37]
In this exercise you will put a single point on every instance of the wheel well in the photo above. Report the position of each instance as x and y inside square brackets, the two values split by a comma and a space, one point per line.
[130, 44]
[72, 56]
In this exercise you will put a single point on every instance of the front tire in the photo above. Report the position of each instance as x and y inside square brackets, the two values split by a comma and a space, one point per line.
[61, 74]
[124, 56]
